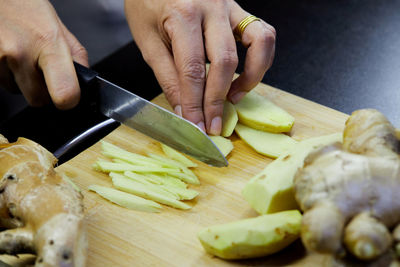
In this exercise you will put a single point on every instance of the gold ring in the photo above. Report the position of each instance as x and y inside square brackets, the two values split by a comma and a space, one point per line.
[238, 31]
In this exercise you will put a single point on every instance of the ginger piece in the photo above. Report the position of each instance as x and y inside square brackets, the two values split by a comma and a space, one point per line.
[258, 112]
[224, 144]
[266, 143]
[271, 190]
[349, 194]
[177, 156]
[44, 212]
[252, 237]
[126, 200]
[229, 119]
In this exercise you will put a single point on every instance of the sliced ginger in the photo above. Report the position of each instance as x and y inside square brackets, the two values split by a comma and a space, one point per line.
[258, 112]
[268, 144]
[229, 119]
[125, 199]
[175, 155]
[252, 237]
[224, 144]
[149, 177]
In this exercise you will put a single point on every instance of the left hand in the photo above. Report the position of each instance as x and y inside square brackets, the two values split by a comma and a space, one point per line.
[175, 36]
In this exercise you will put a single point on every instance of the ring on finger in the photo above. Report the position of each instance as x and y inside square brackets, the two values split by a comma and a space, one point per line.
[238, 31]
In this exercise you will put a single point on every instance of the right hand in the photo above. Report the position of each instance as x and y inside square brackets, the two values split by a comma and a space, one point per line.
[37, 53]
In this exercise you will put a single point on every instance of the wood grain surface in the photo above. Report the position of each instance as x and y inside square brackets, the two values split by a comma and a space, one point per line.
[122, 237]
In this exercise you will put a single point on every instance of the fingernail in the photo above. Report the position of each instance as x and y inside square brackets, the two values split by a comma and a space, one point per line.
[202, 126]
[237, 97]
[178, 110]
[216, 124]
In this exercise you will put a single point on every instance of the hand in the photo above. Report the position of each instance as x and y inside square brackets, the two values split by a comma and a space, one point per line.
[37, 53]
[175, 36]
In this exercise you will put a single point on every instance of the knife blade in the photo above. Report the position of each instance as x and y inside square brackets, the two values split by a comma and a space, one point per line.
[150, 119]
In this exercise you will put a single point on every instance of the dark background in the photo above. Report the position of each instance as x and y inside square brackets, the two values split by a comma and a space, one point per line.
[341, 54]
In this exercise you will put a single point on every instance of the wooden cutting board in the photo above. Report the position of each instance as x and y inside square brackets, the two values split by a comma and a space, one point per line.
[122, 237]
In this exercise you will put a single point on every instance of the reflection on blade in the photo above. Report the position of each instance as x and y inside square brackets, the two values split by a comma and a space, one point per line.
[158, 123]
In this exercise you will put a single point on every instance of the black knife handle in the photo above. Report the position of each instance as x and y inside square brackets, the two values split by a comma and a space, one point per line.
[85, 75]
[88, 85]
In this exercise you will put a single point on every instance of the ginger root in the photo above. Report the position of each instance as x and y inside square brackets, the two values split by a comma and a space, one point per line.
[3, 140]
[42, 212]
[350, 193]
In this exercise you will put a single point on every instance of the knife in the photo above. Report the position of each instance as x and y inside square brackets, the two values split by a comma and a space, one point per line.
[150, 119]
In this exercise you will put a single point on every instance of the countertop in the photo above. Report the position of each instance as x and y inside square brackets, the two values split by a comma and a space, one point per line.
[343, 54]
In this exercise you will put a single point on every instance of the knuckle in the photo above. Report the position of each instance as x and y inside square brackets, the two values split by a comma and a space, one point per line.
[14, 54]
[194, 70]
[170, 91]
[47, 36]
[191, 107]
[186, 8]
[272, 30]
[267, 37]
[227, 59]
[215, 102]
[168, 26]
[11, 48]
[180, 10]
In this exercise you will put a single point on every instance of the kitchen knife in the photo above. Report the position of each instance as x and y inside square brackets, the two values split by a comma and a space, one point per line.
[150, 119]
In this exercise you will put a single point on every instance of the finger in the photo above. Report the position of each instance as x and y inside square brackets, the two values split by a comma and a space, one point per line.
[186, 38]
[31, 84]
[7, 81]
[78, 52]
[221, 51]
[28, 79]
[159, 58]
[56, 63]
[259, 37]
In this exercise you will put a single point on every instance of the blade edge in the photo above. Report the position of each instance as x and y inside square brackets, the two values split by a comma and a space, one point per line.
[158, 123]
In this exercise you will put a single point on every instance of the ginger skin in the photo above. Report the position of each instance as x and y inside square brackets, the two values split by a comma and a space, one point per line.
[349, 193]
[42, 212]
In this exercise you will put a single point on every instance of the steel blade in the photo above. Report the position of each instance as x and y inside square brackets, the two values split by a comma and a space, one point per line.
[158, 123]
